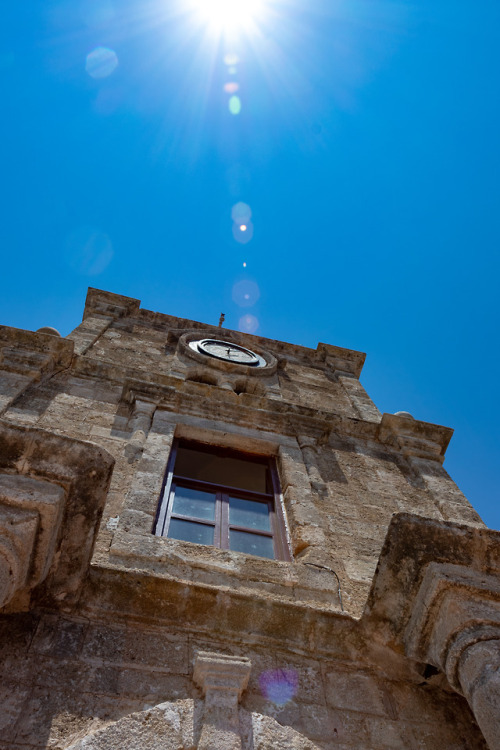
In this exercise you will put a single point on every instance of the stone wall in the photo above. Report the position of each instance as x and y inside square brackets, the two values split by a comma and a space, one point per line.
[124, 637]
[63, 678]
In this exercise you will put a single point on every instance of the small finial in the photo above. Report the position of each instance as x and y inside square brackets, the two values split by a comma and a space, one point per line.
[221, 319]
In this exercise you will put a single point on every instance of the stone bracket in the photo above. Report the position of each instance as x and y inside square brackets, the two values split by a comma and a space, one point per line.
[222, 679]
[30, 517]
[214, 671]
[455, 607]
[52, 493]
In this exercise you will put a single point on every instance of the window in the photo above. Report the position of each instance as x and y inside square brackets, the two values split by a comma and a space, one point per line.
[223, 498]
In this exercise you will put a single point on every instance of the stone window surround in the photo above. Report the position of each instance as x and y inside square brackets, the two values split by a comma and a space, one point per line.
[141, 504]
[134, 546]
[277, 530]
[304, 529]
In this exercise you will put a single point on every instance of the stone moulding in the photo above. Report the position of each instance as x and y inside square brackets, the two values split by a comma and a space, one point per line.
[110, 305]
[52, 493]
[401, 435]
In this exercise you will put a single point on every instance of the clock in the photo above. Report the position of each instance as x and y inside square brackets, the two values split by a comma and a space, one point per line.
[228, 352]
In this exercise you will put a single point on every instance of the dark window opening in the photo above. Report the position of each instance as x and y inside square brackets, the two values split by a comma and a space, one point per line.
[223, 498]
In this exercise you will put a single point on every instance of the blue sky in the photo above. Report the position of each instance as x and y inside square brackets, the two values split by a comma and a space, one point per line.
[367, 148]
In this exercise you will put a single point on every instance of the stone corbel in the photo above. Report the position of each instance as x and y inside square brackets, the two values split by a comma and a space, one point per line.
[414, 438]
[436, 597]
[52, 492]
[222, 680]
[455, 626]
[30, 517]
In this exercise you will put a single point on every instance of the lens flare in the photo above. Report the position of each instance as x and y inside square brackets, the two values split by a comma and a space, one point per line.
[245, 293]
[231, 87]
[101, 62]
[235, 105]
[88, 251]
[241, 213]
[279, 685]
[231, 59]
[248, 324]
[243, 233]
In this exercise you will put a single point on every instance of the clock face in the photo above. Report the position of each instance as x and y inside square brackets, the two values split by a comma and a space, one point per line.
[229, 352]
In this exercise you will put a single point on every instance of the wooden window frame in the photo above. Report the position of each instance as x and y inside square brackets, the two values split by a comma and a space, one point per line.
[221, 524]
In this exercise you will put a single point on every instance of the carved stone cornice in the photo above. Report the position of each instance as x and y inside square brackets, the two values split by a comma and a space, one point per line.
[214, 672]
[341, 360]
[414, 438]
[31, 512]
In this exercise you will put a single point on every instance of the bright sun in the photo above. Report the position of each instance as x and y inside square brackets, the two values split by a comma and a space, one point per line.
[231, 15]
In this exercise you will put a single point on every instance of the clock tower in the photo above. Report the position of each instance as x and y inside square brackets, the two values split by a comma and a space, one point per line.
[215, 540]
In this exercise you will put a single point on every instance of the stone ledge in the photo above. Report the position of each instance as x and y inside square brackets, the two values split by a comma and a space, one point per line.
[136, 596]
[222, 569]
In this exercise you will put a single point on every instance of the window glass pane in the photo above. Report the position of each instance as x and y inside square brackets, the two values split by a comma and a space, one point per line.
[249, 513]
[252, 544]
[232, 472]
[195, 503]
[188, 531]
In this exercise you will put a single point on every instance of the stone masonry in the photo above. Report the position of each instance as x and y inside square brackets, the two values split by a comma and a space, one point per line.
[381, 632]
